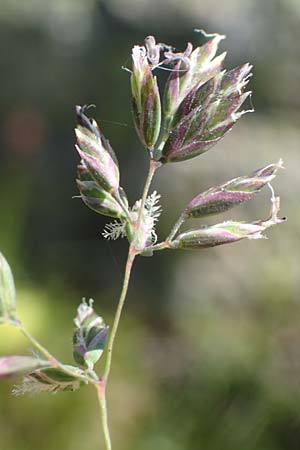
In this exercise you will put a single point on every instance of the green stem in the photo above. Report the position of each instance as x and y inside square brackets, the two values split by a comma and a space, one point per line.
[132, 253]
[166, 244]
[52, 360]
[112, 336]
[101, 388]
[161, 246]
[182, 218]
[152, 168]
[119, 200]
[103, 408]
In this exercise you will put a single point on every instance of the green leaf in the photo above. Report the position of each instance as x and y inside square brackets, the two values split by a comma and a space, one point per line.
[7, 292]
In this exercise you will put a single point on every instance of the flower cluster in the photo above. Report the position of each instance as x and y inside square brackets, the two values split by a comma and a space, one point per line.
[200, 104]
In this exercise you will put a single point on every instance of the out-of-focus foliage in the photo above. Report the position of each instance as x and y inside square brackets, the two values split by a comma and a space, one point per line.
[208, 353]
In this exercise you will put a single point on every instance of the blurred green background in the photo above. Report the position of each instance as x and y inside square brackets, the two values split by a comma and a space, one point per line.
[208, 354]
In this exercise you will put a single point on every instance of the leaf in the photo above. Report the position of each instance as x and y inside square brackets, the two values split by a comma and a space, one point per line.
[7, 292]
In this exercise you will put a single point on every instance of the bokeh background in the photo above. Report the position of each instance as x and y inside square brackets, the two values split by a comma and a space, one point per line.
[208, 354]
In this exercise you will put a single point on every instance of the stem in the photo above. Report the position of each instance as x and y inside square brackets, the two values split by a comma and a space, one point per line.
[130, 259]
[119, 199]
[166, 244]
[110, 345]
[152, 168]
[52, 360]
[161, 246]
[104, 421]
[182, 218]
[101, 387]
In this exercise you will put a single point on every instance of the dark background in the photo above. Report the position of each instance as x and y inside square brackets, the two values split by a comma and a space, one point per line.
[208, 352]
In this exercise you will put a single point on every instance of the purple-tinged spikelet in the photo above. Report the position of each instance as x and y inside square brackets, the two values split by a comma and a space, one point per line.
[145, 98]
[89, 335]
[206, 114]
[227, 232]
[95, 197]
[225, 196]
[96, 153]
